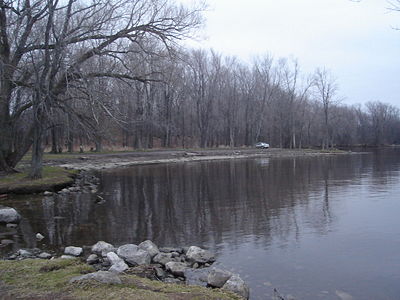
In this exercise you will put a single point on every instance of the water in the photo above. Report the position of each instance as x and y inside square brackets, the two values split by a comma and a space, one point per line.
[313, 228]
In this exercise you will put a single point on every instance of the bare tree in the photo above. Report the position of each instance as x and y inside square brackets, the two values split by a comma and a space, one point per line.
[326, 89]
[45, 45]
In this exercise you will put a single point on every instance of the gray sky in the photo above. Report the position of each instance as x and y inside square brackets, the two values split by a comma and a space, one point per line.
[355, 40]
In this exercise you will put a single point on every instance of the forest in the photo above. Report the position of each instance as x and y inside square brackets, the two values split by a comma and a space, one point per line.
[88, 75]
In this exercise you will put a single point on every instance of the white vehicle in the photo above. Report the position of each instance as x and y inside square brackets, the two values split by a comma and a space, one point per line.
[262, 145]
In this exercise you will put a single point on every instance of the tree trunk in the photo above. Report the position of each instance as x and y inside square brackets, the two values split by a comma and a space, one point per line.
[37, 150]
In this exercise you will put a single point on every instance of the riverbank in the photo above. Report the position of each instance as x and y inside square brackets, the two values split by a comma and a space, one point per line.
[129, 271]
[44, 279]
[54, 178]
[60, 170]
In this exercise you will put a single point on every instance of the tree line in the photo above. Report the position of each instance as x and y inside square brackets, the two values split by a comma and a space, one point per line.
[78, 74]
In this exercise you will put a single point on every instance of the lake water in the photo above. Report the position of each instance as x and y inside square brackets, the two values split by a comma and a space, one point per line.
[323, 227]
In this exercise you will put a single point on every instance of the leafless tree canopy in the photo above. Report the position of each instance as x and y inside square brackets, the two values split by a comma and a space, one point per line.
[83, 74]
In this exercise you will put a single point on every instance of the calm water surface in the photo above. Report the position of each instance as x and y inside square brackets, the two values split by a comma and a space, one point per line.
[313, 228]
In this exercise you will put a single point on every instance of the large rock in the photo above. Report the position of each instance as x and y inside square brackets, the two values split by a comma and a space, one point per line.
[73, 251]
[102, 248]
[150, 247]
[163, 258]
[196, 276]
[133, 255]
[100, 276]
[117, 263]
[176, 268]
[237, 285]
[25, 253]
[218, 277]
[196, 254]
[119, 267]
[9, 215]
[92, 259]
[114, 258]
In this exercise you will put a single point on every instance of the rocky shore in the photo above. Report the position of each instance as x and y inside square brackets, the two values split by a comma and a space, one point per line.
[172, 265]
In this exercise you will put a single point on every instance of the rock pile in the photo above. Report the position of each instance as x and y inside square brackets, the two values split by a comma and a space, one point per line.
[170, 265]
[85, 182]
[192, 265]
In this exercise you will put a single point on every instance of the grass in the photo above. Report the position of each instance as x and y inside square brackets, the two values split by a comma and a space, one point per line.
[53, 178]
[43, 279]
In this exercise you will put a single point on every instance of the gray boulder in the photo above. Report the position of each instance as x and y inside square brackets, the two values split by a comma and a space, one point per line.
[99, 276]
[9, 215]
[218, 277]
[196, 276]
[118, 267]
[24, 253]
[163, 258]
[150, 247]
[236, 285]
[196, 254]
[92, 259]
[133, 255]
[114, 258]
[176, 268]
[73, 251]
[102, 248]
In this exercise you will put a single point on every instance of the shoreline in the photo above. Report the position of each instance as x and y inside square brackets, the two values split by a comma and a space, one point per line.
[123, 160]
[85, 162]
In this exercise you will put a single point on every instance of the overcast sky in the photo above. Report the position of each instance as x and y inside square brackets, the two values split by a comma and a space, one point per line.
[355, 40]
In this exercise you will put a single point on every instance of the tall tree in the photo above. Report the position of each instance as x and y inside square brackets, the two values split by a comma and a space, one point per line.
[45, 46]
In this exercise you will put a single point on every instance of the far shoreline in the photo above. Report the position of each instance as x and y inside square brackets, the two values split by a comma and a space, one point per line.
[86, 162]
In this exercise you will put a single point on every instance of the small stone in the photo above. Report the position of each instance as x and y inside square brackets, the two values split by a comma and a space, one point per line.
[175, 254]
[39, 236]
[45, 255]
[12, 225]
[47, 193]
[74, 251]
[92, 259]
[99, 276]
[67, 257]
[195, 266]
[176, 268]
